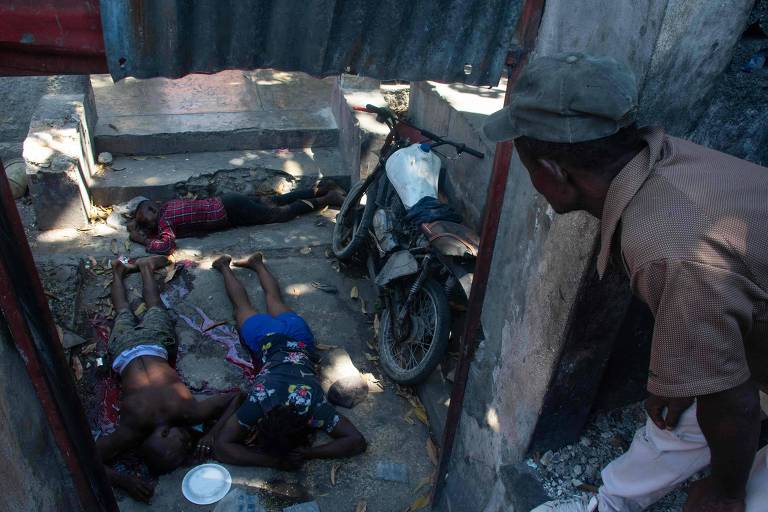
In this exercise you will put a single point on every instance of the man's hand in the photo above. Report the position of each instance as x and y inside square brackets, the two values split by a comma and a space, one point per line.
[705, 496]
[204, 447]
[137, 488]
[655, 405]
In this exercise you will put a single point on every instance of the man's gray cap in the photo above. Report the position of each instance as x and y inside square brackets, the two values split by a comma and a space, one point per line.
[567, 97]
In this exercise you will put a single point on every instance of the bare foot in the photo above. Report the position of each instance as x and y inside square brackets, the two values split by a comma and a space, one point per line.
[251, 261]
[221, 262]
[153, 262]
[121, 269]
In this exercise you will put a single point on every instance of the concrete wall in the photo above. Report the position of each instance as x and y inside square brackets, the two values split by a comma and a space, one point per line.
[32, 474]
[677, 50]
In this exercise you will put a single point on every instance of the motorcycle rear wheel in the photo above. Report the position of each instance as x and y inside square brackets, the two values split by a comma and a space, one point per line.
[353, 221]
[412, 360]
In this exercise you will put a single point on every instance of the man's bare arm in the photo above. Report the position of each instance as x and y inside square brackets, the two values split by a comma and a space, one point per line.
[109, 447]
[229, 448]
[347, 441]
[730, 421]
[211, 408]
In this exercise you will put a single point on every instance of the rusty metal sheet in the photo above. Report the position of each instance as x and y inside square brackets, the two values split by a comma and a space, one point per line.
[384, 39]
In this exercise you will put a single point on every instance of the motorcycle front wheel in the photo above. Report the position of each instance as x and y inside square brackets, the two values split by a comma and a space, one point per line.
[353, 220]
[411, 360]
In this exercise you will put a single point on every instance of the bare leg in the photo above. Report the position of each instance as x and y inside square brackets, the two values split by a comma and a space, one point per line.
[147, 267]
[119, 296]
[235, 290]
[275, 304]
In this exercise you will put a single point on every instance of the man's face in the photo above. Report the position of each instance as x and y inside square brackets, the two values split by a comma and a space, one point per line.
[553, 184]
[167, 448]
[146, 214]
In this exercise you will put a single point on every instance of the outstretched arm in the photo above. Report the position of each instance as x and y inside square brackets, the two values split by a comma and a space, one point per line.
[110, 446]
[347, 441]
[229, 448]
[219, 408]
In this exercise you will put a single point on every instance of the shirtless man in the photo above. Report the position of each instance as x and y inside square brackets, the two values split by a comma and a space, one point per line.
[286, 404]
[157, 410]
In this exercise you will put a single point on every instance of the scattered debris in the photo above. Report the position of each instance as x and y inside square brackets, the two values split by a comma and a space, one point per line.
[325, 287]
[105, 158]
[77, 368]
[420, 503]
[392, 472]
[334, 471]
[354, 293]
[305, 250]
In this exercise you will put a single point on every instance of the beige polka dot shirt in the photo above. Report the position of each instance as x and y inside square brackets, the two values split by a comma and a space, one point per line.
[690, 226]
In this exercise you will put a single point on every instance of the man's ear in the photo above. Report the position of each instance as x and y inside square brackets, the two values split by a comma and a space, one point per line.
[553, 168]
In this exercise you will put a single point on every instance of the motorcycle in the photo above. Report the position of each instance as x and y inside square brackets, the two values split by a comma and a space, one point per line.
[415, 266]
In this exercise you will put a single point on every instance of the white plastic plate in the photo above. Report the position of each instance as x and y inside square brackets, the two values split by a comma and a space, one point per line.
[206, 484]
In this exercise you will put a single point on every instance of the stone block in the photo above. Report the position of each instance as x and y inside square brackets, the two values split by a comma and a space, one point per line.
[60, 160]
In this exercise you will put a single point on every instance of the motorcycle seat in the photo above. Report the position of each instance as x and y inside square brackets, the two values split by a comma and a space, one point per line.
[451, 239]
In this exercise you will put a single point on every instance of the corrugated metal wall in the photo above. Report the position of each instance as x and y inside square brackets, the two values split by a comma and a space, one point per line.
[385, 39]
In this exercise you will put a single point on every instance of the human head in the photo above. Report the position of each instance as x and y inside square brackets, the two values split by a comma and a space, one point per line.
[573, 119]
[166, 449]
[146, 214]
[283, 429]
[577, 176]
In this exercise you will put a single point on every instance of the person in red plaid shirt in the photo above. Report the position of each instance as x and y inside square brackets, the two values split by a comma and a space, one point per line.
[157, 226]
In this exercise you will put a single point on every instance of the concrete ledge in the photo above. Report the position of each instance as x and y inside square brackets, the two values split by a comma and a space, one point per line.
[59, 156]
[360, 135]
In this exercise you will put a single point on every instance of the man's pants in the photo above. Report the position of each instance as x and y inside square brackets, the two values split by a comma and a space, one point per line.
[660, 460]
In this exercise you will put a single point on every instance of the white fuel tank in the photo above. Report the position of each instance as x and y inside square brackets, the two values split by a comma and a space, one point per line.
[414, 173]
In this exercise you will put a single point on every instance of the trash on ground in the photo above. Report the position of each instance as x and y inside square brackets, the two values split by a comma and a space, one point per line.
[354, 293]
[392, 472]
[325, 287]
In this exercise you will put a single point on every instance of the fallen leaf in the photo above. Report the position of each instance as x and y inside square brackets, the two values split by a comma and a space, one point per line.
[427, 480]
[77, 368]
[127, 245]
[362, 307]
[371, 357]
[334, 471]
[113, 246]
[376, 325]
[323, 346]
[353, 293]
[432, 452]
[418, 504]
[60, 332]
[325, 287]
[139, 158]
[419, 410]
[170, 273]
[305, 250]
[407, 418]
[371, 345]
[92, 261]
[83, 229]
[362, 506]
[141, 309]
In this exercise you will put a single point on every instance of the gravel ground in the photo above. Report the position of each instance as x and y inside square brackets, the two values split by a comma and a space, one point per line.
[575, 469]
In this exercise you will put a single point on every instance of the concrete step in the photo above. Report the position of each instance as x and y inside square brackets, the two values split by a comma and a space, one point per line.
[163, 177]
[154, 134]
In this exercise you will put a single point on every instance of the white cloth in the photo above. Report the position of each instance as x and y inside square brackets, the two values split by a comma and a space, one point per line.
[660, 460]
[122, 361]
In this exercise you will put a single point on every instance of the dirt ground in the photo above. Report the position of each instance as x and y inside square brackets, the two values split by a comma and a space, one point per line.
[74, 266]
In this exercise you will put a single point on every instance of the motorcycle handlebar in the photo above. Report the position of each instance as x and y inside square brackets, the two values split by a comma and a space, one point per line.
[385, 112]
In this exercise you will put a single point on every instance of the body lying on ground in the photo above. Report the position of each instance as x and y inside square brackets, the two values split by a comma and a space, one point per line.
[688, 225]
[275, 425]
[157, 226]
[157, 411]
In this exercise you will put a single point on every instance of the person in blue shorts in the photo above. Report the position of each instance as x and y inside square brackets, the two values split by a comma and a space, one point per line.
[275, 425]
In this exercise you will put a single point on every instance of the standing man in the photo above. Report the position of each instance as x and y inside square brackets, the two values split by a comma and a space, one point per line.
[690, 227]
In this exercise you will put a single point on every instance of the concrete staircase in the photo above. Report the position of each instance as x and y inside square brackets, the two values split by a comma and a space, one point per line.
[257, 131]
